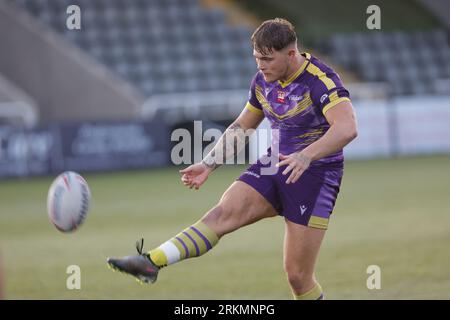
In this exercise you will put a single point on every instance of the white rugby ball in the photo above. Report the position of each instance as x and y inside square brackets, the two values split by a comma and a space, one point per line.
[68, 201]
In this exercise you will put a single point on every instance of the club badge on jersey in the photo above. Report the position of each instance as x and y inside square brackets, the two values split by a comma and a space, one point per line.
[280, 96]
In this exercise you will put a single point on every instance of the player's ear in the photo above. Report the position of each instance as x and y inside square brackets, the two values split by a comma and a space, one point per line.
[291, 53]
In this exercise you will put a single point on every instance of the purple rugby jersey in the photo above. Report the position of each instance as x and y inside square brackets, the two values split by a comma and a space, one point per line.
[297, 107]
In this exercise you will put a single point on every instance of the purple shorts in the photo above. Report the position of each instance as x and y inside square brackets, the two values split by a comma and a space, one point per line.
[309, 201]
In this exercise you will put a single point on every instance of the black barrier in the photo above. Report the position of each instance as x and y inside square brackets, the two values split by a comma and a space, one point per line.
[84, 147]
[25, 152]
[114, 146]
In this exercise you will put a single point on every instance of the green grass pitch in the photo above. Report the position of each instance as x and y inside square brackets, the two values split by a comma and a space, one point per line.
[391, 213]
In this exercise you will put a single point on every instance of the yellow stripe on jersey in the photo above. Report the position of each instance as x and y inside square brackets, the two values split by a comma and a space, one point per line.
[305, 103]
[254, 109]
[307, 142]
[318, 222]
[311, 133]
[314, 70]
[309, 137]
[284, 84]
[333, 96]
[331, 104]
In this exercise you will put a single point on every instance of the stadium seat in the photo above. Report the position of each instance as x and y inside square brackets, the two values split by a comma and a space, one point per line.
[443, 54]
[400, 41]
[419, 87]
[409, 62]
[157, 45]
[439, 38]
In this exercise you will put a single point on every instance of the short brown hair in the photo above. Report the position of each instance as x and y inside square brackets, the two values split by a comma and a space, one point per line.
[275, 34]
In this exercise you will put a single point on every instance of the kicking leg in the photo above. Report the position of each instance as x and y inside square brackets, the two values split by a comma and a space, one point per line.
[239, 206]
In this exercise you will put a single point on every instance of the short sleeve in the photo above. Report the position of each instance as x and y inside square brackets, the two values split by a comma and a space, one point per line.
[327, 90]
[253, 104]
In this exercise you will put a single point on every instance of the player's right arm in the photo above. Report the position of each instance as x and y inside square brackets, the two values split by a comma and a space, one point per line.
[232, 141]
[234, 138]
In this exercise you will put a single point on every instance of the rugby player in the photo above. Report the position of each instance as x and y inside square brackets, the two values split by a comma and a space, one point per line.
[313, 118]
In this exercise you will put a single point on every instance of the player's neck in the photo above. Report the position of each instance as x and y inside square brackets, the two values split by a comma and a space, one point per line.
[294, 67]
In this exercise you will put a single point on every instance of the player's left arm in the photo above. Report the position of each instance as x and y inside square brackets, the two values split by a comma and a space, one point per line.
[343, 129]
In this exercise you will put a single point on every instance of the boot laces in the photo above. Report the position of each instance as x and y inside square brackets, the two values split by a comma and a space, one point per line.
[140, 245]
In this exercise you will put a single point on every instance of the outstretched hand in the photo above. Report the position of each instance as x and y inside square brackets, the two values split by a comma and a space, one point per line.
[296, 162]
[195, 175]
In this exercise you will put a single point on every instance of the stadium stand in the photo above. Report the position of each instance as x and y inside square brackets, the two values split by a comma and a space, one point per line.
[440, 9]
[66, 83]
[140, 41]
[16, 107]
[164, 47]
[413, 63]
[395, 55]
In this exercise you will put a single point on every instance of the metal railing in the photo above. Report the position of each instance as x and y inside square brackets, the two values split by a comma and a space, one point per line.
[211, 105]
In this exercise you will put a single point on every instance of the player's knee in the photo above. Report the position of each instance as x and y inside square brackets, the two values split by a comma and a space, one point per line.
[220, 218]
[217, 214]
[297, 276]
[212, 216]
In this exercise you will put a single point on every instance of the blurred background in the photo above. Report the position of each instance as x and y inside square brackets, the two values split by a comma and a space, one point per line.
[103, 100]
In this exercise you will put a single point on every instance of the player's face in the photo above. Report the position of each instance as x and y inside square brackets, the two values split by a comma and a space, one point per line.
[273, 65]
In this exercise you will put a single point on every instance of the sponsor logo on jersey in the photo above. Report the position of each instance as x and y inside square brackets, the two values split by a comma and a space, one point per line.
[295, 98]
[322, 98]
